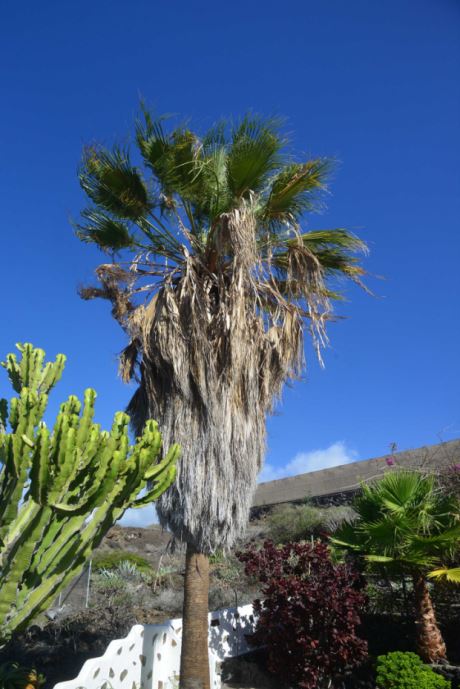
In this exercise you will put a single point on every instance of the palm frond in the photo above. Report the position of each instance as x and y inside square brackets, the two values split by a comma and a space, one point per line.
[403, 517]
[332, 249]
[400, 489]
[101, 229]
[215, 197]
[446, 537]
[255, 127]
[254, 153]
[381, 559]
[451, 574]
[338, 237]
[113, 183]
[172, 158]
[294, 190]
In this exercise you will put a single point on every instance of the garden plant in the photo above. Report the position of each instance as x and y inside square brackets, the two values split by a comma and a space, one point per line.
[399, 670]
[406, 525]
[215, 281]
[61, 489]
[309, 613]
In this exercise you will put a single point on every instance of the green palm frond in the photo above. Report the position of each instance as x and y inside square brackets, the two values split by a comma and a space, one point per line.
[294, 190]
[339, 238]
[451, 574]
[171, 158]
[255, 127]
[402, 489]
[403, 517]
[380, 559]
[101, 229]
[253, 154]
[113, 183]
[447, 536]
[215, 197]
[336, 251]
[385, 530]
[332, 249]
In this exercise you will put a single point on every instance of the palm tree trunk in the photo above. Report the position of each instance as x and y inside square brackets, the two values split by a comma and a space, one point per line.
[194, 661]
[430, 644]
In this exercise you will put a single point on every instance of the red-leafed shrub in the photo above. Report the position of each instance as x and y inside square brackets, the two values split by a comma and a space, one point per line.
[309, 612]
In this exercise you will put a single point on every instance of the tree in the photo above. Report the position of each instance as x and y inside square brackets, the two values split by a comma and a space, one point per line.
[214, 282]
[62, 489]
[406, 524]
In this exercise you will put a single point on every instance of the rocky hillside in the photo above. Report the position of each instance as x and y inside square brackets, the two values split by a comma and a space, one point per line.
[151, 542]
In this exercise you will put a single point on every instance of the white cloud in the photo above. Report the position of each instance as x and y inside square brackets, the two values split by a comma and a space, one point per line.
[334, 455]
[142, 516]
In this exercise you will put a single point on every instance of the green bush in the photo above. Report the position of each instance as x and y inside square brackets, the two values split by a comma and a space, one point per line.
[399, 670]
[300, 522]
[114, 559]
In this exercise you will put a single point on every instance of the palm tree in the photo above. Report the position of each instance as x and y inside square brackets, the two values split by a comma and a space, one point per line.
[214, 283]
[406, 524]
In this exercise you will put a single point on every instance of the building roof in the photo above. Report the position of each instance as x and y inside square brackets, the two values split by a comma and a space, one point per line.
[347, 477]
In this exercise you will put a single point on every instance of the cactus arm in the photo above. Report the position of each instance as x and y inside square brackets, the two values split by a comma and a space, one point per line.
[30, 371]
[40, 597]
[12, 368]
[58, 540]
[52, 372]
[17, 561]
[158, 489]
[86, 421]
[26, 513]
[172, 456]
[28, 359]
[39, 476]
[12, 494]
[3, 415]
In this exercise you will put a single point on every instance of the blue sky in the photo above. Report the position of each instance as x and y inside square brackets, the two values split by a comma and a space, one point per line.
[372, 84]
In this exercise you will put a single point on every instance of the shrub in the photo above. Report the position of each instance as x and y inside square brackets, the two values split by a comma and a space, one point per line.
[308, 618]
[299, 522]
[293, 522]
[399, 670]
[449, 480]
[115, 559]
[169, 601]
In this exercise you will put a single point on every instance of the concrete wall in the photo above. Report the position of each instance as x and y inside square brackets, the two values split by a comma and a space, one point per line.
[347, 478]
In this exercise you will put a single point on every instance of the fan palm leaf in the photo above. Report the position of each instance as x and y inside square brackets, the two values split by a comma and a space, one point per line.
[451, 574]
[113, 183]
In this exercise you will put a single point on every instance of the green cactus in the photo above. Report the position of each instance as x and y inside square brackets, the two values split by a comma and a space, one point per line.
[62, 489]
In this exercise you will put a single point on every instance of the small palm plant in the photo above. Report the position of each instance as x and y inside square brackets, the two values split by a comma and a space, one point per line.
[215, 280]
[407, 525]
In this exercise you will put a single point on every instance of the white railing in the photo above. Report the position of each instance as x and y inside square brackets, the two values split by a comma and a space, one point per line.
[149, 657]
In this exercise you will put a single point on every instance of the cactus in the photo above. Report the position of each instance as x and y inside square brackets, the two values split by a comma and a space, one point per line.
[62, 489]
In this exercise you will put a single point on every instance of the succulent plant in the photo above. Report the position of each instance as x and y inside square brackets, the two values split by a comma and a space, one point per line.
[61, 489]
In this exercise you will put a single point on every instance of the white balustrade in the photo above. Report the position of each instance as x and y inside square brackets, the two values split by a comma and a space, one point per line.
[149, 656]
